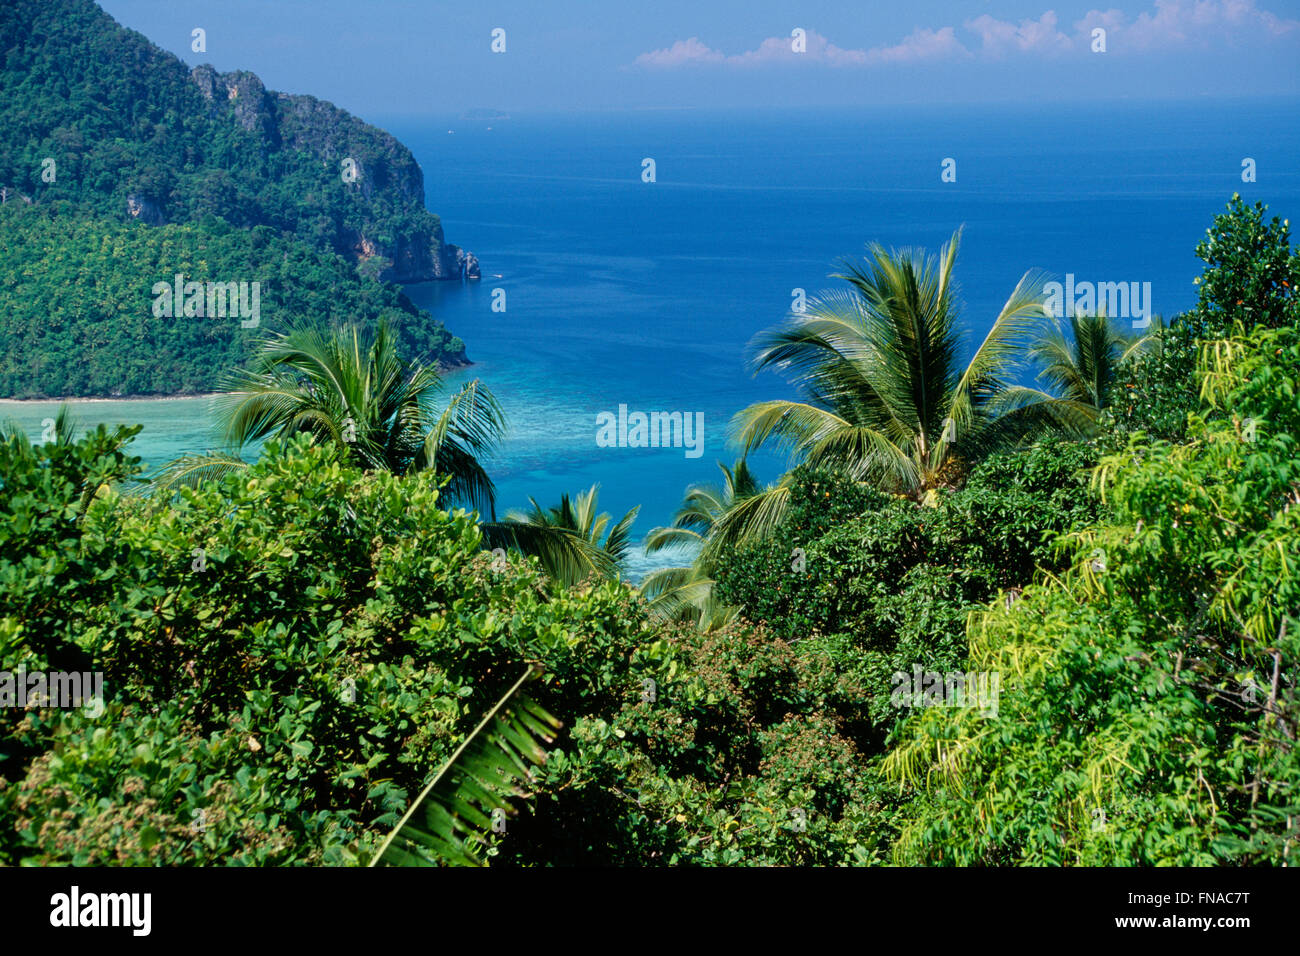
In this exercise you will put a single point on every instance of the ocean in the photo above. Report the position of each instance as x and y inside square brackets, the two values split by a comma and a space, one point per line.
[621, 292]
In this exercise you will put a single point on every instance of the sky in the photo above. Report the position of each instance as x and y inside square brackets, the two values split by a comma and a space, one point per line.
[428, 57]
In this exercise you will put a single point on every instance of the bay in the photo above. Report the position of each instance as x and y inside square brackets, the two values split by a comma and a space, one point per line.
[619, 291]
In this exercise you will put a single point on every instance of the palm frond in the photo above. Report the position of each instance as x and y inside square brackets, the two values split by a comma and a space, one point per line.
[566, 538]
[618, 543]
[449, 820]
[192, 471]
[793, 426]
[752, 519]
[677, 594]
[1020, 415]
[883, 397]
[565, 556]
[865, 455]
[469, 428]
[358, 393]
[1002, 350]
[658, 539]
[65, 429]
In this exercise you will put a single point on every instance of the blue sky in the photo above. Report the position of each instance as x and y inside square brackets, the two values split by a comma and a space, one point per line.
[388, 57]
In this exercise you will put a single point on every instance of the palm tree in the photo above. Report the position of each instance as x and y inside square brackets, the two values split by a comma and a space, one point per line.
[885, 398]
[566, 538]
[686, 593]
[360, 395]
[1080, 366]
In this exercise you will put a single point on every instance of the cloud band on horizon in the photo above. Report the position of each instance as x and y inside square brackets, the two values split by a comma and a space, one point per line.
[1169, 24]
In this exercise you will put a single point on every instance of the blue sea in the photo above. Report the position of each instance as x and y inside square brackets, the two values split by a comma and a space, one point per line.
[619, 291]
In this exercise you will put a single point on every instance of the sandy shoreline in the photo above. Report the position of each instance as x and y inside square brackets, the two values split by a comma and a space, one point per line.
[121, 398]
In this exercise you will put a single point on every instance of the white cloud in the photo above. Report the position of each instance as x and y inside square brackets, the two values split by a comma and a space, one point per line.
[817, 49]
[772, 50]
[1174, 23]
[679, 54]
[999, 37]
[921, 44]
[1169, 23]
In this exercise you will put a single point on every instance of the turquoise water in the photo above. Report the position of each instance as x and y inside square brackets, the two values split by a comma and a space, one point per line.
[172, 426]
[619, 291]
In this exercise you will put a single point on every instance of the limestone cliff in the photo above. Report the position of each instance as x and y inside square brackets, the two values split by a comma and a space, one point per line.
[388, 219]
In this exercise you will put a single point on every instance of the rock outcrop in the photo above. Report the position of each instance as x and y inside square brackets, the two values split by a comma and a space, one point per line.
[467, 264]
[249, 101]
[145, 209]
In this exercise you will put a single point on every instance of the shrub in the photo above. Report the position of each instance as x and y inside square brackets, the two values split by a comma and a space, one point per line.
[289, 654]
[1148, 693]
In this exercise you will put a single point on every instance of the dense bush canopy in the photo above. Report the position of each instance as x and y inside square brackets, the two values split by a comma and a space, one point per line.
[291, 652]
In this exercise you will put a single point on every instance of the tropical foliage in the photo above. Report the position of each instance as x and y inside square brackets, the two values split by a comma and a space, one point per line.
[1079, 361]
[286, 654]
[290, 652]
[312, 659]
[1251, 272]
[357, 393]
[686, 593]
[886, 399]
[1149, 697]
[470, 794]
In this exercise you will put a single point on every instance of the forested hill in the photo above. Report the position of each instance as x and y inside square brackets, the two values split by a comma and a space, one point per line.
[77, 312]
[132, 131]
[120, 169]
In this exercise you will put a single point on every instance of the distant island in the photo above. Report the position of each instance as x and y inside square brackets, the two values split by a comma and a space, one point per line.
[121, 167]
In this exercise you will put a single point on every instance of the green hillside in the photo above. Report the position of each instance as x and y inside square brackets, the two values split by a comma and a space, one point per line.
[76, 307]
[121, 167]
[130, 126]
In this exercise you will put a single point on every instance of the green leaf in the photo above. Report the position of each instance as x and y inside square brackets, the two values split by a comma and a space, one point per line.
[446, 822]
